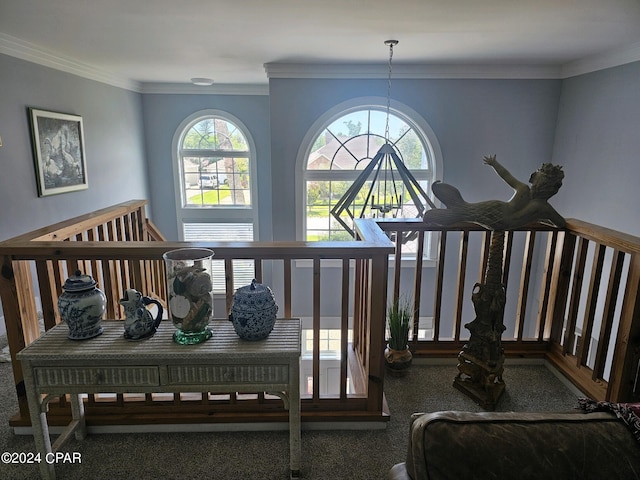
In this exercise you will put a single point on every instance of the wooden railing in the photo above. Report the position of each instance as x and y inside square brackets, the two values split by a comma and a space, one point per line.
[572, 298]
[119, 248]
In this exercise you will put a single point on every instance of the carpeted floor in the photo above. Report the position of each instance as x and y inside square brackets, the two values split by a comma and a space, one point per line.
[346, 454]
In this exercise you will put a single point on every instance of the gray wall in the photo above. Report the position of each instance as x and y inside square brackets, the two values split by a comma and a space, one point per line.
[162, 116]
[514, 119]
[114, 146]
[589, 124]
[598, 144]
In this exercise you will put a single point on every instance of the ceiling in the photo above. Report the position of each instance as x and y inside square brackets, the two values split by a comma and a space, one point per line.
[169, 41]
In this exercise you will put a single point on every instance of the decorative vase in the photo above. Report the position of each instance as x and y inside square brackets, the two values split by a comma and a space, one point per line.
[81, 306]
[253, 311]
[397, 361]
[139, 323]
[189, 291]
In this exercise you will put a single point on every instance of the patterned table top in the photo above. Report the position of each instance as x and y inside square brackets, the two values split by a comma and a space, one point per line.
[54, 345]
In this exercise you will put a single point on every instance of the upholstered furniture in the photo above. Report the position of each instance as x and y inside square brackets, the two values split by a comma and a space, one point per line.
[519, 446]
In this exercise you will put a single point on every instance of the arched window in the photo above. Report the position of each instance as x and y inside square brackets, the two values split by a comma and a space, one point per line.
[215, 191]
[214, 164]
[343, 143]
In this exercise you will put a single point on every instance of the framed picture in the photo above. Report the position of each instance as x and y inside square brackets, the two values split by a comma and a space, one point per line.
[58, 150]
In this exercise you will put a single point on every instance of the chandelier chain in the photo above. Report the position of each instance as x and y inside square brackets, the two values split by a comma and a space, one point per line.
[391, 43]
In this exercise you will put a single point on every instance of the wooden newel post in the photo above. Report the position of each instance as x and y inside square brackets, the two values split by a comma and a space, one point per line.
[481, 361]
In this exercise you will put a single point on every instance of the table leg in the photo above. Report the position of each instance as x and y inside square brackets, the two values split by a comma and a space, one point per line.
[294, 421]
[77, 413]
[38, 414]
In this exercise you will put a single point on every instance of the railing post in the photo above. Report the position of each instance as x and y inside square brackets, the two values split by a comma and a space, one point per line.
[377, 320]
[625, 360]
[20, 316]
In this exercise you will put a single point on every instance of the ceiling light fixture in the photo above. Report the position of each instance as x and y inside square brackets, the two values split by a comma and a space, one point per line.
[377, 191]
[202, 81]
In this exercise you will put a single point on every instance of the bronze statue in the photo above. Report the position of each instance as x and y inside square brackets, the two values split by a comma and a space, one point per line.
[527, 205]
[481, 361]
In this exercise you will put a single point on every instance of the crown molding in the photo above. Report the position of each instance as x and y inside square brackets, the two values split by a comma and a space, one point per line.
[215, 89]
[15, 47]
[409, 71]
[612, 58]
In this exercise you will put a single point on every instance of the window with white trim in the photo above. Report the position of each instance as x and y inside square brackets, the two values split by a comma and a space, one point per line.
[345, 146]
[214, 164]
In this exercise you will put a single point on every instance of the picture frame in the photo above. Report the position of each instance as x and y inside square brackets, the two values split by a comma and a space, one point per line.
[58, 151]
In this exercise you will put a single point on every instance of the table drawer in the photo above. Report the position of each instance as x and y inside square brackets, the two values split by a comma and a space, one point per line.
[112, 376]
[212, 374]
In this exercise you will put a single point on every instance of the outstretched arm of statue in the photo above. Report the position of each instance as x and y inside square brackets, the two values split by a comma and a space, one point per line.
[503, 172]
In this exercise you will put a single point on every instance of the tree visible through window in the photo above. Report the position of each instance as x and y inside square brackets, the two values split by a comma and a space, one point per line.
[214, 186]
[214, 158]
[342, 150]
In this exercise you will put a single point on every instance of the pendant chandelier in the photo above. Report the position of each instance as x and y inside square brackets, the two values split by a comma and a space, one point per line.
[378, 191]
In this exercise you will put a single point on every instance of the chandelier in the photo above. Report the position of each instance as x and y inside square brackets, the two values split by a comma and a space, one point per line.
[378, 191]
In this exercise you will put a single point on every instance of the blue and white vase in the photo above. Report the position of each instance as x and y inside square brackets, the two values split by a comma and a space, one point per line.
[253, 311]
[82, 306]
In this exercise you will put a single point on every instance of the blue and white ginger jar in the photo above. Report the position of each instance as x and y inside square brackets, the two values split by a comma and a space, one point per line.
[82, 306]
[253, 311]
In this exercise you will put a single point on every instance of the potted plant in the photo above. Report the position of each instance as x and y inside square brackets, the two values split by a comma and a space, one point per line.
[397, 354]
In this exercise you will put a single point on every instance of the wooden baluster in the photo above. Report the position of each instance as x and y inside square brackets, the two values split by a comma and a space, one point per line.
[287, 287]
[316, 329]
[417, 283]
[344, 329]
[460, 290]
[257, 270]
[591, 301]
[228, 283]
[627, 347]
[613, 288]
[48, 292]
[525, 279]
[506, 265]
[548, 277]
[357, 308]
[559, 294]
[437, 301]
[574, 302]
[110, 275]
[397, 266]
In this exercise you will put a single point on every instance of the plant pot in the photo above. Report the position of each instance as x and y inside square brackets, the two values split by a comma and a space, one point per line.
[397, 361]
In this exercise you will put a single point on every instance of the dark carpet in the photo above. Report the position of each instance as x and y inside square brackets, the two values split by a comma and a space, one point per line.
[332, 454]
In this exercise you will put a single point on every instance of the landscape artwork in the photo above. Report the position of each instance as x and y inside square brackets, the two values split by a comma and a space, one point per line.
[58, 148]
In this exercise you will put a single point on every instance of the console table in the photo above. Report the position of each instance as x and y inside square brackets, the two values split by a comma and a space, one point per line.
[54, 365]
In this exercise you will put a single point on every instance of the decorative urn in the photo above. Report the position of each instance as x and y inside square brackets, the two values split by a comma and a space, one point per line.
[253, 311]
[140, 322]
[81, 306]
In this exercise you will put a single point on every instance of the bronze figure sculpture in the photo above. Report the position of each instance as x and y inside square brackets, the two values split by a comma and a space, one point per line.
[528, 203]
[480, 363]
